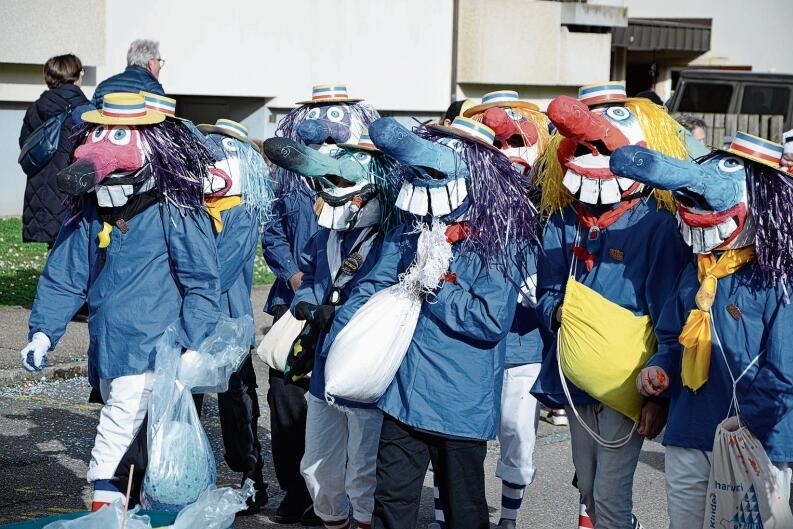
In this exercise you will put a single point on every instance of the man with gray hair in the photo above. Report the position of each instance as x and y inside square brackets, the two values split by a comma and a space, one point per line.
[143, 69]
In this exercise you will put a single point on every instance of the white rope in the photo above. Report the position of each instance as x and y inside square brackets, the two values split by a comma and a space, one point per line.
[616, 443]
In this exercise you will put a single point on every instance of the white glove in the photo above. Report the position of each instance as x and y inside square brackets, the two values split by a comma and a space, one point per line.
[34, 355]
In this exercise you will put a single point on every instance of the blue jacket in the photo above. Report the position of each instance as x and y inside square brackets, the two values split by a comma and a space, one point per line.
[134, 79]
[165, 267]
[636, 266]
[236, 245]
[524, 343]
[316, 285]
[450, 380]
[749, 319]
[283, 240]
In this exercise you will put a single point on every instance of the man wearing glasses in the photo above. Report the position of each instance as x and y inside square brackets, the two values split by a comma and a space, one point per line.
[142, 73]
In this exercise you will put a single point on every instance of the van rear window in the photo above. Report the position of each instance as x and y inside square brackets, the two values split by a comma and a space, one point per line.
[706, 97]
[759, 99]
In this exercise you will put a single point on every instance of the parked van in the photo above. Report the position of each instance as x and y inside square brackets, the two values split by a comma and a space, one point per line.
[734, 92]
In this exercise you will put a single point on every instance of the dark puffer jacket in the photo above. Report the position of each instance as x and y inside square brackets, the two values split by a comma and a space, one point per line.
[133, 79]
[44, 207]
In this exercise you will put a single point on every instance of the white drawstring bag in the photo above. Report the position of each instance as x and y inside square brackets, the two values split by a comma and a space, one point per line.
[368, 351]
[276, 344]
[743, 489]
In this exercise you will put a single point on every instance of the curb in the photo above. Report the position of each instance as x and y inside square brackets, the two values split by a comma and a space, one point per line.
[9, 377]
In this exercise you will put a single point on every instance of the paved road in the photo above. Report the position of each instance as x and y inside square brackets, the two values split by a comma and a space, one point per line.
[47, 430]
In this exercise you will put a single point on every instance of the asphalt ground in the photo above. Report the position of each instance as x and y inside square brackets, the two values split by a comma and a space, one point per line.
[47, 429]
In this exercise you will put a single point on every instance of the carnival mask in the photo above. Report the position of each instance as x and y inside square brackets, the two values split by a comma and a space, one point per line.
[112, 162]
[435, 184]
[590, 138]
[711, 195]
[349, 196]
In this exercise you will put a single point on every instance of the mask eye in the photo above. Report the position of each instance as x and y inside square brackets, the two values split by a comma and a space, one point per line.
[618, 113]
[314, 113]
[730, 164]
[98, 134]
[230, 144]
[119, 136]
[335, 114]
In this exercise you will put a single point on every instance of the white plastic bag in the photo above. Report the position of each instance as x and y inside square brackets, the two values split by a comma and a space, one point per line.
[208, 369]
[367, 352]
[215, 508]
[276, 344]
[108, 517]
[743, 492]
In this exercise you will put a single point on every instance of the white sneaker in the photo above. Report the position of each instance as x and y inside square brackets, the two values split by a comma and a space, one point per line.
[558, 417]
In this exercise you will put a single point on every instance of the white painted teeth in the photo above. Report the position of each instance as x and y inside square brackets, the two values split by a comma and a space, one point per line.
[625, 183]
[403, 199]
[595, 190]
[439, 198]
[609, 192]
[572, 181]
[726, 228]
[590, 191]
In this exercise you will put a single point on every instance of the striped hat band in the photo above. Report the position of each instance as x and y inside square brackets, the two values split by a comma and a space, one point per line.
[501, 96]
[757, 149]
[232, 126]
[123, 106]
[601, 93]
[165, 105]
[328, 91]
[469, 127]
[365, 141]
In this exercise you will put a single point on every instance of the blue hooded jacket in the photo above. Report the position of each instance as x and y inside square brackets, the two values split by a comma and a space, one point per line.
[636, 266]
[283, 240]
[449, 382]
[164, 268]
[749, 320]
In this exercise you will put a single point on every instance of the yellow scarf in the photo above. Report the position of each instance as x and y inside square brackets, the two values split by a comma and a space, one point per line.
[216, 205]
[695, 336]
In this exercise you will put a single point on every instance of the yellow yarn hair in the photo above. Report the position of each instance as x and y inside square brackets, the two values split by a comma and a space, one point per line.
[660, 133]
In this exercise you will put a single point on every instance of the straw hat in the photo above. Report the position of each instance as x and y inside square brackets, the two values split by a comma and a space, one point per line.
[756, 149]
[599, 93]
[227, 127]
[500, 98]
[364, 144]
[123, 109]
[162, 104]
[328, 93]
[468, 129]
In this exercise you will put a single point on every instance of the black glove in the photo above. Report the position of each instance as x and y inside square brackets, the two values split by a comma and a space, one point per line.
[323, 316]
[303, 310]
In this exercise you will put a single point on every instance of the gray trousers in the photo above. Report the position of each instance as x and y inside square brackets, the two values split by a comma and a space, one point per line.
[605, 475]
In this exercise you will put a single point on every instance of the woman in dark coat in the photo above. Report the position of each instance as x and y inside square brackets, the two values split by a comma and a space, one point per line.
[44, 206]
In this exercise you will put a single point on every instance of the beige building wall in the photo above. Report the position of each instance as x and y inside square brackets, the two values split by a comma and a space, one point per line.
[385, 53]
[528, 46]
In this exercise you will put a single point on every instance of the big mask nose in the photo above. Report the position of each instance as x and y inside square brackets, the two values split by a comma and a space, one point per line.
[78, 178]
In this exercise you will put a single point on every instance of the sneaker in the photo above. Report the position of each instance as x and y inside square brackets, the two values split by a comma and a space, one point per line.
[310, 518]
[256, 504]
[291, 510]
[506, 524]
[558, 417]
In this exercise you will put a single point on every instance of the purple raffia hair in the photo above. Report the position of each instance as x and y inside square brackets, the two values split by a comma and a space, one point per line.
[771, 204]
[501, 216]
[288, 181]
[179, 161]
